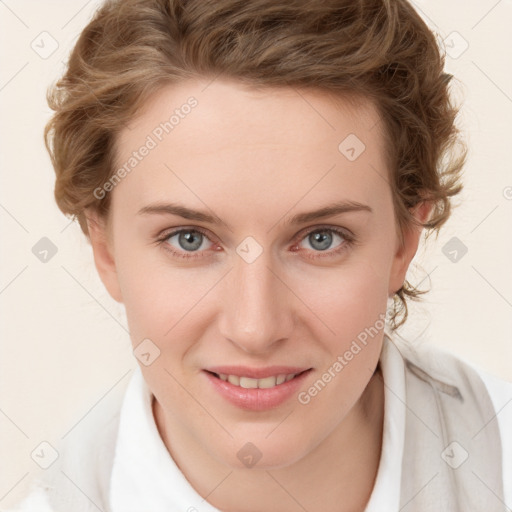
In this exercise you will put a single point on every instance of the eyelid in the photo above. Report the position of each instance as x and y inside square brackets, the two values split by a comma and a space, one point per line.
[346, 234]
[175, 253]
[327, 227]
[167, 233]
[349, 241]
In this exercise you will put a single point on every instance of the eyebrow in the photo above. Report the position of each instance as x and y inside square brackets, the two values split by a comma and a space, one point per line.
[329, 210]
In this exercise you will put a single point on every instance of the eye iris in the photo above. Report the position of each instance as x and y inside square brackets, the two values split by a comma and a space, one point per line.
[324, 239]
[192, 240]
[188, 237]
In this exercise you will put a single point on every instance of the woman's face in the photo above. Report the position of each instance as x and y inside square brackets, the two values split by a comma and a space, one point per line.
[253, 279]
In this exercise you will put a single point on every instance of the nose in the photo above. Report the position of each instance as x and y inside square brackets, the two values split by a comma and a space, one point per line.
[257, 306]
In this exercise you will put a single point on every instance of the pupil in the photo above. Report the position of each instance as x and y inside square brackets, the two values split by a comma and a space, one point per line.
[324, 239]
[189, 236]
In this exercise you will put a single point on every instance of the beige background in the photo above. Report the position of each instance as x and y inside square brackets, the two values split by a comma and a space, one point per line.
[65, 348]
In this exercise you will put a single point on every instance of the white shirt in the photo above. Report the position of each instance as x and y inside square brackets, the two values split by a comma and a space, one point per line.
[145, 477]
[135, 485]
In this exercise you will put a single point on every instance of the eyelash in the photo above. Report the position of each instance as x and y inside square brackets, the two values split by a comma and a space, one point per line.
[349, 241]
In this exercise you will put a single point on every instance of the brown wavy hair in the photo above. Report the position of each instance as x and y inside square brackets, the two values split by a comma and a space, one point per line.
[378, 50]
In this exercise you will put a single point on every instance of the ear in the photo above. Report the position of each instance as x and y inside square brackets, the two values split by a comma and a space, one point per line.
[102, 248]
[405, 252]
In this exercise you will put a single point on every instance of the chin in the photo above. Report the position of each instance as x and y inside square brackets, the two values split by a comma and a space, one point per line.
[253, 452]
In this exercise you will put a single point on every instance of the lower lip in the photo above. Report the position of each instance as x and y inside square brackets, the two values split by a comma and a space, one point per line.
[257, 399]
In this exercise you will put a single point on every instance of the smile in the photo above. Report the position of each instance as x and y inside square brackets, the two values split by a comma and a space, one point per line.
[250, 383]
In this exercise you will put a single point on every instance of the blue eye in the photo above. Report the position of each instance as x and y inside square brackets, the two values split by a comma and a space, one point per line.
[322, 239]
[190, 242]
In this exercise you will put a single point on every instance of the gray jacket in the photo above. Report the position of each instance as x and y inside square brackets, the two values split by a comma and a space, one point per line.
[452, 446]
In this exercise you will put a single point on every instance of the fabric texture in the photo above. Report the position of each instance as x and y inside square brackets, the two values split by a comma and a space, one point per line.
[447, 445]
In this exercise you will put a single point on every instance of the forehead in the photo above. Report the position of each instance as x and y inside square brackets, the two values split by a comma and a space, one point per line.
[225, 137]
[309, 114]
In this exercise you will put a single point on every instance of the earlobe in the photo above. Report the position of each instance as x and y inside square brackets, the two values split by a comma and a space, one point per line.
[103, 253]
[406, 251]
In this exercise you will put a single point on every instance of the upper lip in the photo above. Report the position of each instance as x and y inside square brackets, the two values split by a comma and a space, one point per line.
[256, 373]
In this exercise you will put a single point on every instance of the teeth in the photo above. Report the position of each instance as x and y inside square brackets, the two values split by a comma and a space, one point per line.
[267, 382]
[233, 379]
[248, 383]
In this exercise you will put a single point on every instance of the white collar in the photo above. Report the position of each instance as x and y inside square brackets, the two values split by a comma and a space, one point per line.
[386, 491]
[145, 477]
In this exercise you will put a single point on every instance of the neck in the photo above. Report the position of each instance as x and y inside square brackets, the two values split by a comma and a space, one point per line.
[338, 476]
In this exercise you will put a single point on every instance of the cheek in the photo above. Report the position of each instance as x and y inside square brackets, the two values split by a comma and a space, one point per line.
[347, 298]
[353, 307]
[159, 294]
[161, 298]
[145, 290]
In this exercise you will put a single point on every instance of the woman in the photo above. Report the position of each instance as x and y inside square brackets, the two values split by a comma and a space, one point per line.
[254, 178]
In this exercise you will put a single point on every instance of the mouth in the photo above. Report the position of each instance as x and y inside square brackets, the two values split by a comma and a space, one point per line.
[245, 382]
[274, 387]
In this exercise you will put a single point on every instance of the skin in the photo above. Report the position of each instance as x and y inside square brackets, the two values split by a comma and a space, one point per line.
[254, 159]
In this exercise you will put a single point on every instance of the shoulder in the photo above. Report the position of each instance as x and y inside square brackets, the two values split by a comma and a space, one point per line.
[36, 501]
[500, 392]
[449, 368]
[79, 478]
[471, 398]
